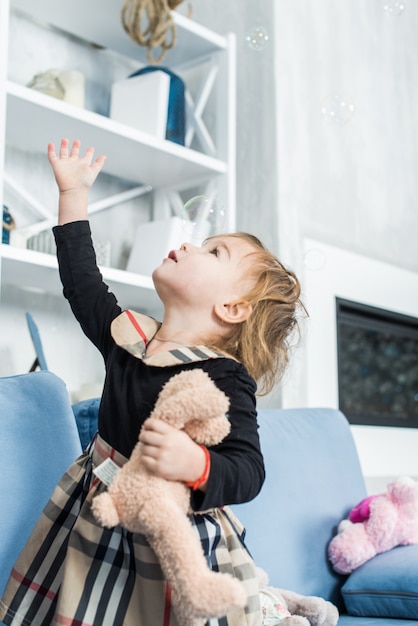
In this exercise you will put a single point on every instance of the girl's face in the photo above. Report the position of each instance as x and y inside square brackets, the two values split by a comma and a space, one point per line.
[206, 276]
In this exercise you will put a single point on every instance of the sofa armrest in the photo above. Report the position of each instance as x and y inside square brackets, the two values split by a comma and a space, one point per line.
[39, 441]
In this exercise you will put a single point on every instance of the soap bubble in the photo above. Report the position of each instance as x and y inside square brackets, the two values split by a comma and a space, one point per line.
[257, 38]
[337, 108]
[203, 216]
[393, 7]
[315, 259]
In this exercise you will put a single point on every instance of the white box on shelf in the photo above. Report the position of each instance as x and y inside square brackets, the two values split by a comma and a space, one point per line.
[153, 241]
[142, 102]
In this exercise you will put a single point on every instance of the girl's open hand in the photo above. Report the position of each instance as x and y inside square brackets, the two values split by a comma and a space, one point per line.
[74, 172]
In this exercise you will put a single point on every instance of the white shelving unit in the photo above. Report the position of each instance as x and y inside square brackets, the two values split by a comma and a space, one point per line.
[29, 119]
[39, 272]
[159, 163]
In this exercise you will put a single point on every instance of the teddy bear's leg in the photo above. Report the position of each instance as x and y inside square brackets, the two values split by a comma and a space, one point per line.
[197, 592]
[318, 611]
[105, 511]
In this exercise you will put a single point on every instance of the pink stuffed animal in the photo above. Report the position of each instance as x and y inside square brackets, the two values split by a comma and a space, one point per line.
[383, 522]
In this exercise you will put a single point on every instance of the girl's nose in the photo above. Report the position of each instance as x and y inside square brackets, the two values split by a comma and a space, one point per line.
[187, 247]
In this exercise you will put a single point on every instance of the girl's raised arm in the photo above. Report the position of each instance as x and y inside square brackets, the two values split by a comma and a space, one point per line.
[74, 175]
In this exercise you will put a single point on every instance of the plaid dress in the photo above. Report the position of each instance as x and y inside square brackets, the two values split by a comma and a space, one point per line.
[73, 572]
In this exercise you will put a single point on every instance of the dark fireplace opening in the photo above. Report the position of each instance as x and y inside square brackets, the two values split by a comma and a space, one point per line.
[377, 365]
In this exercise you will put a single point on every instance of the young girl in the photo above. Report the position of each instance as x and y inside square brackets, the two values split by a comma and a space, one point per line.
[229, 308]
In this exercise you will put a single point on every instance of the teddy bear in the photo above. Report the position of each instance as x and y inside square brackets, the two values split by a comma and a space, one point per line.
[376, 524]
[292, 609]
[158, 508]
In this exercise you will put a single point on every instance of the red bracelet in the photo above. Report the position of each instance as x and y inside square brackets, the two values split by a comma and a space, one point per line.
[203, 478]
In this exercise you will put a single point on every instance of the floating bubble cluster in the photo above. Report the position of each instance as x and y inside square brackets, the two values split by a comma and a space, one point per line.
[393, 7]
[257, 38]
[337, 108]
[203, 216]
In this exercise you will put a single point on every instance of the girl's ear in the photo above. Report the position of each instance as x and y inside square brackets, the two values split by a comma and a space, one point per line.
[234, 313]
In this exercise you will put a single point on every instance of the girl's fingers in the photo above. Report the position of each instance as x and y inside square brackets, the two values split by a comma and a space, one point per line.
[99, 162]
[156, 425]
[89, 154]
[75, 148]
[64, 148]
[51, 153]
[75, 154]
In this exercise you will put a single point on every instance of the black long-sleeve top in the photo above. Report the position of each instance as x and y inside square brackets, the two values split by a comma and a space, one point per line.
[132, 383]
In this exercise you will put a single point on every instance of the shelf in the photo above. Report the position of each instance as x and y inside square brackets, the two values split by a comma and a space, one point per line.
[38, 272]
[34, 119]
[102, 26]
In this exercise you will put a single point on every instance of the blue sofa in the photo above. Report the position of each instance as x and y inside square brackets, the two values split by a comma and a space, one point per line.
[313, 480]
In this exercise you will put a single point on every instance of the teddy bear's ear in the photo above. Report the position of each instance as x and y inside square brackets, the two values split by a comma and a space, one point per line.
[199, 402]
[191, 400]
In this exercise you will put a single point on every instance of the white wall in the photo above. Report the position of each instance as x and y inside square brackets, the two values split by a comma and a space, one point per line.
[352, 185]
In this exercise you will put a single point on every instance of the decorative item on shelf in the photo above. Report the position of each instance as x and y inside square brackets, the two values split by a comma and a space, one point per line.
[102, 250]
[8, 224]
[49, 83]
[44, 242]
[75, 87]
[196, 220]
[153, 241]
[41, 242]
[150, 23]
[67, 85]
[153, 100]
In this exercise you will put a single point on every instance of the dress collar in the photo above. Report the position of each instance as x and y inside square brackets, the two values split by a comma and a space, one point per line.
[132, 331]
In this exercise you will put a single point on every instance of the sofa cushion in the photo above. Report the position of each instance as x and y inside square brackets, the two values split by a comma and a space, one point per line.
[385, 586]
[86, 417]
[350, 620]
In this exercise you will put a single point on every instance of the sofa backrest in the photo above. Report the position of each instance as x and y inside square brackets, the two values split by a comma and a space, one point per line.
[39, 440]
[313, 479]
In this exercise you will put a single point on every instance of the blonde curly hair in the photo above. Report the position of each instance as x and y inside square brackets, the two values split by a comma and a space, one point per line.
[263, 341]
